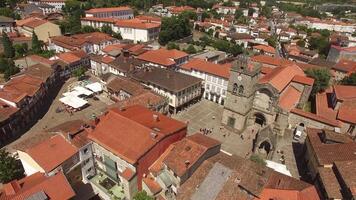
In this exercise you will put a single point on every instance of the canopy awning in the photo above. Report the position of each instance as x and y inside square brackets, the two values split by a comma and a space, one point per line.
[95, 87]
[73, 101]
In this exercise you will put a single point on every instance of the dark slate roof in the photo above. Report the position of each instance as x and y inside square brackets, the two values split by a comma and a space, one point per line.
[167, 79]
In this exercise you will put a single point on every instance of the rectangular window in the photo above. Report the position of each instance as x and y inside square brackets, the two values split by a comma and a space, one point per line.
[231, 122]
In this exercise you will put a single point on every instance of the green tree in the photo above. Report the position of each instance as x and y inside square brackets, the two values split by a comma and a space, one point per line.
[301, 43]
[21, 49]
[10, 167]
[88, 29]
[174, 28]
[257, 159]
[238, 14]
[36, 44]
[349, 80]
[107, 29]
[321, 44]
[321, 79]
[9, 50]
[191, 49]
[79, 72]
[142, 196]
[172, 45]
[272, 41]
[236, 49]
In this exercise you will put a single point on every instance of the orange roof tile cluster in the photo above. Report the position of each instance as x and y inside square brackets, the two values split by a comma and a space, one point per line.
[112, 9]
[148, 18]
[280, 77]
[72, 57]
[208, 67]
[179, 9]
[268, 60]
[132, 132]
[153, 186]
[136, 23]
[162, 56]
[30, 185]
[19, 87]
[345, 92]
[6, 111]
[303, 80]
[289, 98]
[75, 42]
[327, 153]
[347, 66]
[315, 117]
[265, 48]
[31, 22]
[347, 112]
[100, 19]
[187, 152]
[51, 153]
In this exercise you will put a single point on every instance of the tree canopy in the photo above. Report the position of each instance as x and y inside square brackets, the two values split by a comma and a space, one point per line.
[142, 196]
[349, 80]
[174, 28]
[321, 79]
[10, 167]
[9, 50]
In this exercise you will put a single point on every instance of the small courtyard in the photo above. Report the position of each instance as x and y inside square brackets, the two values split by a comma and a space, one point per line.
[108, 186]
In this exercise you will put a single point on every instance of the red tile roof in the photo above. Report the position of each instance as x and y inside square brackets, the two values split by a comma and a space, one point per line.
[268, 60]
[162, 56]
[152, 185]
[347, 112]
[345, 92]
[322, 106]
[100, 19]
[30, 185]
[6, 111]
[132, 132]
[289, 98]
[208, 67]
[148, 18]
[303, 80]
[280, 77]
[128, 174]
[31, 22]
[72, 57]
[137, 24]
[326, 153]
[52, 152]
[315, 117]
[265, 48]
[347, 66]
[112, 9]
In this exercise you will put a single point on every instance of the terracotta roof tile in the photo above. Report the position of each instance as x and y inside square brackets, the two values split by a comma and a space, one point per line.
[162, 56]
[265, 48]
[153, 186]
[132, 132]
[330, 183]
[345, 92]
[208, 67]
[347, 111]
[315, 117]
[128, 174]
[137, 24]
[280, 77]
[326, 153]
[347, 66]
[264, 59]
[289, 98]
[35, 183]
[303, 80]
[112, 9]
[52, 152]
[347, 171]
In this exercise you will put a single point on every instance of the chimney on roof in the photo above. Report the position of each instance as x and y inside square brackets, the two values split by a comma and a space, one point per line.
[187, 162]
[122, 108]
[155, 118]
[153, 135]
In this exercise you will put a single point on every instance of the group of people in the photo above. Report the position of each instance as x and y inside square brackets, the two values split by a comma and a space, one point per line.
[206, 131]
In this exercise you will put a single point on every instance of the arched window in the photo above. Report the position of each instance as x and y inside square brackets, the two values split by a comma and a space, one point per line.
[241, 89]
[235, 88]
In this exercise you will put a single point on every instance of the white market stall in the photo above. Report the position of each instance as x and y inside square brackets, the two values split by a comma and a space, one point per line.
[73, 102]
[95, 87]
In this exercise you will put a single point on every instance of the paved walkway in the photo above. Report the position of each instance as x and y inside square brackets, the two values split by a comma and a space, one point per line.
[52, 118]
[207, 114]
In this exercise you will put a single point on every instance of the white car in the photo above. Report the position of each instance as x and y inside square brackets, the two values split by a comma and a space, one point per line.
[298, 133]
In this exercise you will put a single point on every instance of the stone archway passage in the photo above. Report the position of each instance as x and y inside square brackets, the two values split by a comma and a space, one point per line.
[260, 119]
[266, 146]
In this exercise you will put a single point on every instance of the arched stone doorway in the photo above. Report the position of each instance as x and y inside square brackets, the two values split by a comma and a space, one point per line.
[260, 119]
[265, 146]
